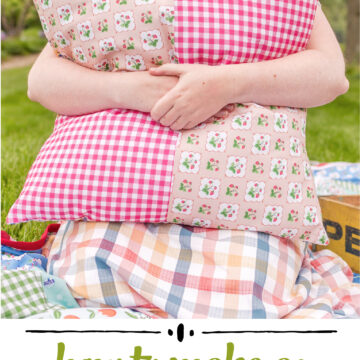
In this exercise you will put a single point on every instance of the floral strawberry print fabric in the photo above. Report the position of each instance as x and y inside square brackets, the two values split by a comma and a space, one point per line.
[249, 171]
[110, 35]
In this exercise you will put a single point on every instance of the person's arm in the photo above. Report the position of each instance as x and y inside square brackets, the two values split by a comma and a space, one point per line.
[310, 78]
[70, 89]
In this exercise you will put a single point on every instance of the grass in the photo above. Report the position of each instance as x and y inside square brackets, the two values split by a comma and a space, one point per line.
[333, 130]
[24, 128]
[332, 135]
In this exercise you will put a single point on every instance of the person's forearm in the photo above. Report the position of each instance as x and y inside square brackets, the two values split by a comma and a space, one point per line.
[309, 78]
[306, 79]
[69, 89]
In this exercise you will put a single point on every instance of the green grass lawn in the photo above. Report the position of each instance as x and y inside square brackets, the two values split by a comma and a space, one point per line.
[332, 135]
[25, 126]
[333, 130]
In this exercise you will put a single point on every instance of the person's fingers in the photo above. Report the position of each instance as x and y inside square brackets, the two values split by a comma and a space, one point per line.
[167, 69]
[230, 107]
[190, 125]
[170, 117]
[210, 119]
[178, 124]
[164, 105]
[221, 113]
[225, 110]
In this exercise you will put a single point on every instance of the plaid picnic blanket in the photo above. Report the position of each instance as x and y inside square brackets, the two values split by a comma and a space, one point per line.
[186, 272]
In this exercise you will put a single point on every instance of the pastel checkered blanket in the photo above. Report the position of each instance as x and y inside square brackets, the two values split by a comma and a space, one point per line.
[187, 272]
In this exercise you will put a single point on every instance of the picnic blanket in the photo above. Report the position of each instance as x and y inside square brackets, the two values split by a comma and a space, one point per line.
[190, 272]
[26, 288]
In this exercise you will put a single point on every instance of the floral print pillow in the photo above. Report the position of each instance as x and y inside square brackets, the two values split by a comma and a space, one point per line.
[111, 35]
[249, 171]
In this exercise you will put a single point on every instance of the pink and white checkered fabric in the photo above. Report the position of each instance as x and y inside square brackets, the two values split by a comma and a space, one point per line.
[122, 171]
[227, 32]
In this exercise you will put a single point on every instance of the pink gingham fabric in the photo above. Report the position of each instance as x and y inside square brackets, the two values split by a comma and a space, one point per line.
[103, 167]
[123, 170]
[217, 32]
[189, 272]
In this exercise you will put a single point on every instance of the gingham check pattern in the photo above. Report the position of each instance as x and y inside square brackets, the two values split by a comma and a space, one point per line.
[201, 273]
[230, 31]
[114, 165]
[22, 294]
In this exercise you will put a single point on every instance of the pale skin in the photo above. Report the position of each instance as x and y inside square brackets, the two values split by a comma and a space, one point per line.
[175, 94]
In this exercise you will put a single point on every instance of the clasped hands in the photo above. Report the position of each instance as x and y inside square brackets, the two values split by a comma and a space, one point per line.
[201, 95]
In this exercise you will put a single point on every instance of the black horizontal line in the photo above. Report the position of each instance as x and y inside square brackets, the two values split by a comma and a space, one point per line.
[203, 332]
[272, 331]
[93, 331]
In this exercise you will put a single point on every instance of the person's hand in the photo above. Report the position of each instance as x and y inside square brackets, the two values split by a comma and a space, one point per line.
[222, 114]
[199, 95]
[152, 89]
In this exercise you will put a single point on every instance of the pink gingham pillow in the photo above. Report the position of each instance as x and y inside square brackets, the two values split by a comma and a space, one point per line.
[248, 171]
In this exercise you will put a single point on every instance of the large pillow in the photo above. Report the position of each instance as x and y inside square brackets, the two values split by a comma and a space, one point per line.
[248, 171]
